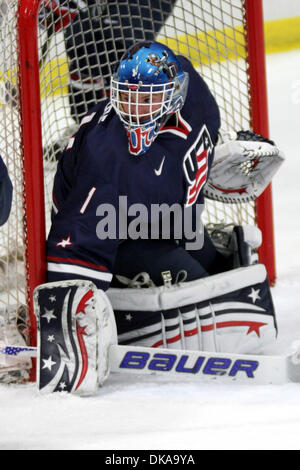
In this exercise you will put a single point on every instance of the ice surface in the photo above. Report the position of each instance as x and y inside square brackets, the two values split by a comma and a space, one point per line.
[132, 412]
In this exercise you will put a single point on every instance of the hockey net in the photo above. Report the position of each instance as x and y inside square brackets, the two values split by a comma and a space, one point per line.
[55, 62]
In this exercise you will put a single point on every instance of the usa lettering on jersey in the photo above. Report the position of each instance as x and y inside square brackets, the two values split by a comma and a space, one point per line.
[195, 165]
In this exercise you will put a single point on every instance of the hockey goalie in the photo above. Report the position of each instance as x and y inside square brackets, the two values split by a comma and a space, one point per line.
[129, 260]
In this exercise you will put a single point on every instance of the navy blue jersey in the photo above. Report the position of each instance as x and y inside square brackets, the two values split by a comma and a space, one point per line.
[97, 170]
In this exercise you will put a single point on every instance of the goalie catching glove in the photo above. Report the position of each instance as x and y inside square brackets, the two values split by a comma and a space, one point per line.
[243, 166]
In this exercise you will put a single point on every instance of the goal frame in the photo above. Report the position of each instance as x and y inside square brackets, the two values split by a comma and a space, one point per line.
[29, 94]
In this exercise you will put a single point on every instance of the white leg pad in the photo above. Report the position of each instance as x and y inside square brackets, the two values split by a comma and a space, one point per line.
[228, 312]
[75, 329]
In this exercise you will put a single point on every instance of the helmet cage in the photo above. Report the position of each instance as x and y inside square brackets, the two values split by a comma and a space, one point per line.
[141, 104]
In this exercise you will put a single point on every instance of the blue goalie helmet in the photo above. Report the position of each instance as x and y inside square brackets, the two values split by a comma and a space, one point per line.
[148, 86]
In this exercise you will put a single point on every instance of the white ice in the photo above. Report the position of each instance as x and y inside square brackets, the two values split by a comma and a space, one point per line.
[131, 412]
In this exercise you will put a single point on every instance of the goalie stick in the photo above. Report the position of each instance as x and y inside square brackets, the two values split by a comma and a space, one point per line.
[196, 365]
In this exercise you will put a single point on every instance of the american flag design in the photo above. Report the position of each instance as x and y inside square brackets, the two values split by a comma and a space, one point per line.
[224, 323]
[195, 165]
[68, 334]
[18, 351]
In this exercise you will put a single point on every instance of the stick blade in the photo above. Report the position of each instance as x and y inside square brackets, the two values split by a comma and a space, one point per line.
[203, 366]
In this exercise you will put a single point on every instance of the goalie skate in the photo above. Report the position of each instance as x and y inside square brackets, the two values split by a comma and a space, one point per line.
[69, 337]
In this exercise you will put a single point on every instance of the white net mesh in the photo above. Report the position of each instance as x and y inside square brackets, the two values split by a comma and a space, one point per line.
[80, 42]
[12, 285]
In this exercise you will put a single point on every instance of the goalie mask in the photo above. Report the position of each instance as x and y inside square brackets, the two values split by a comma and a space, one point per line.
[147, 88]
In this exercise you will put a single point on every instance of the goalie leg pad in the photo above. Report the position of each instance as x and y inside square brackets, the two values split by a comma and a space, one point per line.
[228, 312]
[75, 330]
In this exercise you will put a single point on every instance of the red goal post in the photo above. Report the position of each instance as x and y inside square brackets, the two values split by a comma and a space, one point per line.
[29, 93]
[260, 124]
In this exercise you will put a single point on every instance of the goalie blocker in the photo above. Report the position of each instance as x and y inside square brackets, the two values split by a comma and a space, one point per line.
[229, 312]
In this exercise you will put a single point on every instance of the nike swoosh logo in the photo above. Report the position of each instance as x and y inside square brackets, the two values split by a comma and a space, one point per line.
[159, 170]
